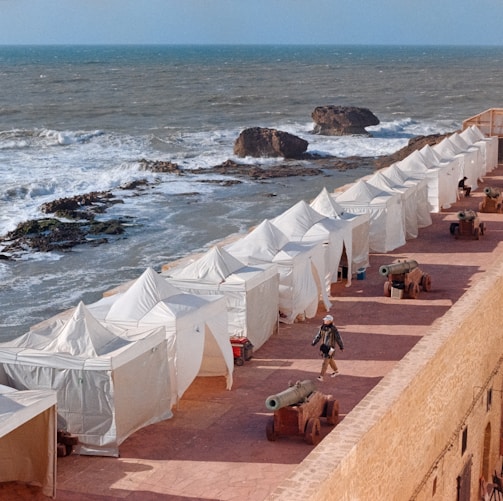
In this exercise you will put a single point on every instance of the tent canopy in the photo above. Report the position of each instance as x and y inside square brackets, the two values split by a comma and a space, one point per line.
[100, 384]
[385, 212]
[259, 245]
[195, 327]
[400, 178]
[24, 415]
[489, 146]
[325, 204]
[302, 223]
[301, 268]
[251, 291]
[409, 200]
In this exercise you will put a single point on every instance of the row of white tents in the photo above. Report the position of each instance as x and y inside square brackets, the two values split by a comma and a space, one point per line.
[124, 361]
[400, 198]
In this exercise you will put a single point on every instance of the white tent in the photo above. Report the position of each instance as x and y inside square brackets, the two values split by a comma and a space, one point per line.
[385, 211]
[302, 223]
[402, 178]
[28, 438]
[409, 200]
[107, 386]
[488, 145]
[251, 292]
[453, 166]
[301, 268]
[325, 204]
[195, 327]
[427, 165]
[472, 159]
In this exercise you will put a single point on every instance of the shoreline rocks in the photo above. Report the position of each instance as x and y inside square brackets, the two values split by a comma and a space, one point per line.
[79, 225]
[74, 223]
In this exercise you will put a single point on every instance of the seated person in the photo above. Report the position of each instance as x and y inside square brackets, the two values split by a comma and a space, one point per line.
[466, 189]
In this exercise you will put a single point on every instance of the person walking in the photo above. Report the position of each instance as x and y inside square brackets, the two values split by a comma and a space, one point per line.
[330, 337]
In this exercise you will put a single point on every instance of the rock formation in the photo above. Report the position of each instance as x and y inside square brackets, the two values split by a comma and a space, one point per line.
[263, 142]
[342, 120]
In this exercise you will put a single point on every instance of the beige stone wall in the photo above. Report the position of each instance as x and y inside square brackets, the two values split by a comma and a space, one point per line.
[403, 441]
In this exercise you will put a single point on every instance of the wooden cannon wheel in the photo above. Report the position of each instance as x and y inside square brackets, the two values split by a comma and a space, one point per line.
[312, 434]
[387, 288]
[413, 290]
[332, 411]
[426, 282]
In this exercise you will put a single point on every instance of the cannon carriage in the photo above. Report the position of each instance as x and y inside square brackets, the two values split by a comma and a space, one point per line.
[492, 201]
[297, 412]
[469, 226]
[405, 277]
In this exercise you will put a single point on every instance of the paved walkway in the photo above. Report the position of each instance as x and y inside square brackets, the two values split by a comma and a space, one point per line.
[215, 447]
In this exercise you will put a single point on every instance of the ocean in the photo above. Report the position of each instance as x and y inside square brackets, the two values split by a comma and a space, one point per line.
[80, 119]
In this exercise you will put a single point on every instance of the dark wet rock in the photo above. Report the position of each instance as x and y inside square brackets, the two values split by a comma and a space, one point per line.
[84, 206]
[43, 235]
[160, 166]
[51, 234]
[221, 182]
[187, 194]
[286, 169]
[333, 120]
[134, 185]
[263, 142]
[112, 227]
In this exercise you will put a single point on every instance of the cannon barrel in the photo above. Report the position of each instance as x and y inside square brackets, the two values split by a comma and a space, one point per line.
[398, 268]
[492, 192]
[467, 215]
[293, 395]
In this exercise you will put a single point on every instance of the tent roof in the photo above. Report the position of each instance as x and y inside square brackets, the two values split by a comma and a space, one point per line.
[476, 133]
[446, 149]
[362, 192]
[80, 336]
[297, 220]
[261, 244]
[167, 312]
[83, 336]
[394, 175]
[325, 204]
[140, 298]
[215, 266]
[414, 165]
[18, 407]
[380, 180]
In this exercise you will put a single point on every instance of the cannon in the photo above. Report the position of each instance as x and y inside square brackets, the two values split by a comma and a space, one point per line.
[405, 278]
[492, 200]
[468, 225]
[297, 412]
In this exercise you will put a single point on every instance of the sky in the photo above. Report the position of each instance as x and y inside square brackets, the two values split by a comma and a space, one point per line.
[396, 22]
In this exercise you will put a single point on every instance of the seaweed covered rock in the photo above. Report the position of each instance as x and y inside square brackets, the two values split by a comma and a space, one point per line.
[263, 142]
[160, 166]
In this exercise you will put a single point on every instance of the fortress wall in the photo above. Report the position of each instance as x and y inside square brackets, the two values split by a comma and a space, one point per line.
[404, 439]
